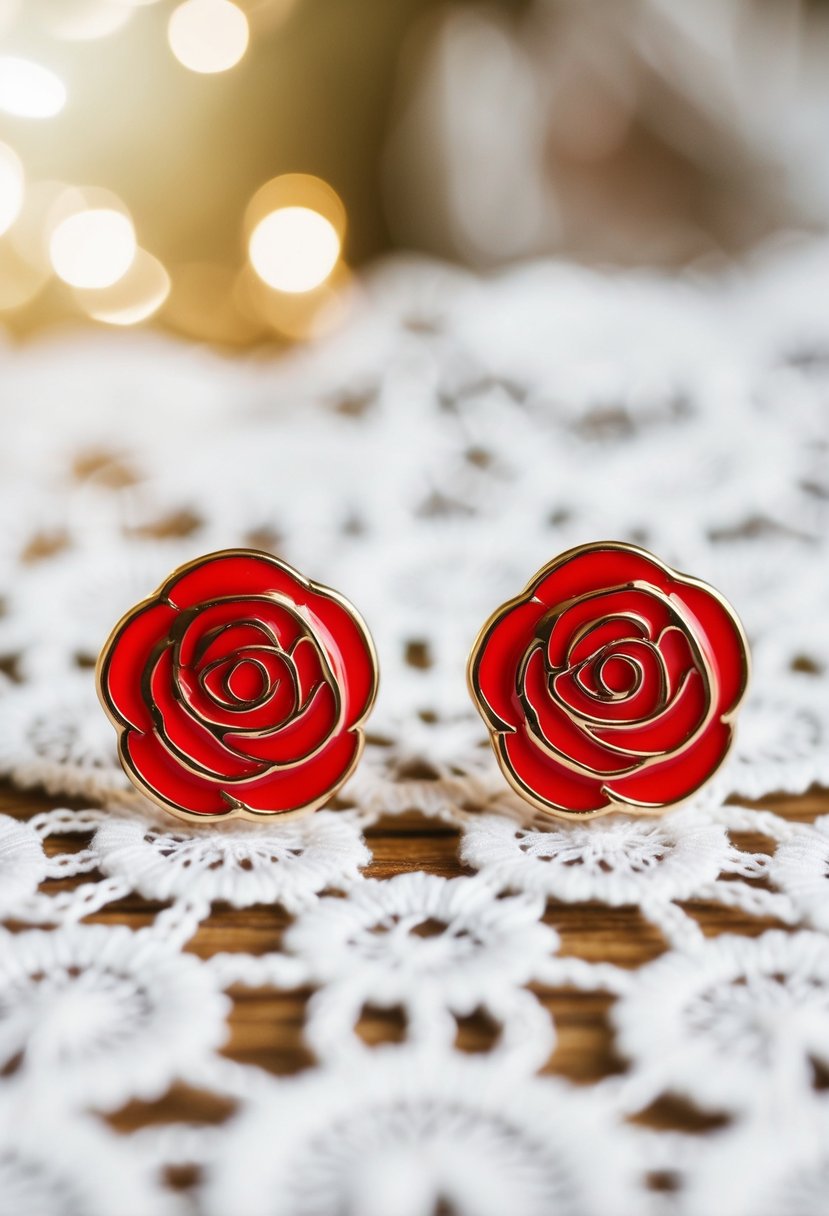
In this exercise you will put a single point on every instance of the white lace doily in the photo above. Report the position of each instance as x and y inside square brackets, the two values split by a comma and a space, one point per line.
[451, 439]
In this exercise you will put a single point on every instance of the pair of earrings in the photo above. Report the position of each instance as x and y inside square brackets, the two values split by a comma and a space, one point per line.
[241, 688]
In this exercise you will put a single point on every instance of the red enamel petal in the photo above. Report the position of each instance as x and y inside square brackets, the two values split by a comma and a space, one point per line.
[679, 776]
[242, 676]
[163, 775]
[297, 738]
[641, 704]
[678, 656]
[128, 655]
[274, 710]
[722, 641]
[308, 667]
[209, 632]
[201, 651]
[246, 680]
[496, 665]
[595, 570]
[233, 574]
[598, 608]
[188, 736]
[618, 675]
[558, 729]
[290, 789]
[586, 678]
[612, 629]
[349, 652]
[668, 730]
[548, 781]
[277, 665]
[213, 681]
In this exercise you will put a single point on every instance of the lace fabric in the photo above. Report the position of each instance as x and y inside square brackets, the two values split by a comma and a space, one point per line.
[448, 441]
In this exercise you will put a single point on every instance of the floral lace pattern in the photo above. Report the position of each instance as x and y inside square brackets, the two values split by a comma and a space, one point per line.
[452, 438]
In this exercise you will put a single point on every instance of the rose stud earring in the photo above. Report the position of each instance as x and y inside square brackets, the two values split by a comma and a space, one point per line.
[610, 683]
[239, 688]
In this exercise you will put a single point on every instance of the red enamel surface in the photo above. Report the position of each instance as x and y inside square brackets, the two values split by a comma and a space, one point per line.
[642, 702]
[618, 674]
[612, 681]
[298, 736]
[239, 685]
[555, 725]
[183, 734]
[124, 663]
[246, 681]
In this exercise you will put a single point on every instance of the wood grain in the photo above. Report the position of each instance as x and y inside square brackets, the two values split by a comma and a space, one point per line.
[266, 1026]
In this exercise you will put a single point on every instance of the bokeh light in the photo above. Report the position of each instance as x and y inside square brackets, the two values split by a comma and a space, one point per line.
[294, 249]
[29, 90]
[45, 204]
[135, 297]
[11, 187]
[20, 280]
[203, 305]
[9, 12]
[297, 316]
[92, 248]
[296, 190]
[208, 35]
[80, 20]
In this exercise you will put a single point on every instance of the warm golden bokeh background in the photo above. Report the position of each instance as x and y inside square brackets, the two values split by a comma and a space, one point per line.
[630, 131]
[186, 151]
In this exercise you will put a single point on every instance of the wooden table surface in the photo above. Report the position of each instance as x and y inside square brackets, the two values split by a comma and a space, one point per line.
[266, 1026]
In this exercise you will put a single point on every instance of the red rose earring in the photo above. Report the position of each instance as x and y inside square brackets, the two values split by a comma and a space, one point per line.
[611, 683]
[239, 688]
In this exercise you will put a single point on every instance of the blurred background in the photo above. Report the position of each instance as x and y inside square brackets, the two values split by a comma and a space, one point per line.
[220, 169]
